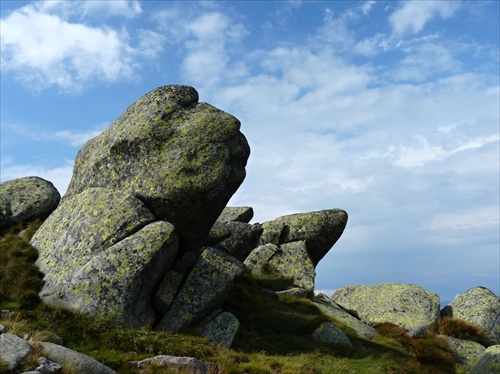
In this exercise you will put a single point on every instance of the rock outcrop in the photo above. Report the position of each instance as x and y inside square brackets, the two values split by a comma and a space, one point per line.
[489, 361]
[479, 306]
[26, 199]
[406, 305]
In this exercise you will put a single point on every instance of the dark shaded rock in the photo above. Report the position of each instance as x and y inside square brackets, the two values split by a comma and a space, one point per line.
[236, 214]
[242, 238]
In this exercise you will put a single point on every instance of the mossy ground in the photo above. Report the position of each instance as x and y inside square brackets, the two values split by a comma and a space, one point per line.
[274, 336]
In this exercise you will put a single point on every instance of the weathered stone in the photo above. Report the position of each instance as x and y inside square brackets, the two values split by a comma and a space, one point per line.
[101, 253]
[79, 363]
[406, 305]
[180, 364]
[320, 230]
[182, 158]
[222, 329]
[204, 290]
[167, 290]
[465, 352]
[47, 366]
[489, 362]
[329, 333]
[13, 350]
[26, 199]
[236, 214]
[242, 238]
[296, 292]
[479, 306]
[332, 309]
[289, 261]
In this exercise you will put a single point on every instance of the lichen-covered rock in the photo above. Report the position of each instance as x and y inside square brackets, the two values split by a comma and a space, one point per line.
[242, 238]
[489, 362]
[406, 305]
[166, 291]
[204, 290]
[479, 306]
[13, 350]
[319, 230]
[178, 364]
[222, 329]
[26, 199]
[236, 214]
[182, 158]
[288, 261]
[332, 309]
[329, 333]
[102, 253]
[78, 362]
[465, 352]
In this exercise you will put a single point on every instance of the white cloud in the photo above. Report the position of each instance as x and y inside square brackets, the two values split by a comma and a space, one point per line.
[42, 48]
[412, 16]
[463, 220]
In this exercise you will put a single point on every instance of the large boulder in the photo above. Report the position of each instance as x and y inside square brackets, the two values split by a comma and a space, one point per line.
[25, 199]
[182, 158]
[406, 305]
[319, 230]
[479, 306]
[333, 310]
[489, 361]
[465, 352]
[204, 290]
[102, 252]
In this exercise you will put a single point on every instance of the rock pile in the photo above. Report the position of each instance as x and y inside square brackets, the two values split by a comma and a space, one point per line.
[143, 236]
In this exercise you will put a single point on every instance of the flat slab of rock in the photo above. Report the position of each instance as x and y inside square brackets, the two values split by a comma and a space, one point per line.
[25, 199]
[204, 290]
[80, 363]
[479, 306]
[406, 305]
[332, 309]
[13, 350]
[320, 230]
[236, 214]
[181, 364]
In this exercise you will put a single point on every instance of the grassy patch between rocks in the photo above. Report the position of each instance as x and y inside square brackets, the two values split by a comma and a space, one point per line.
[274, 336]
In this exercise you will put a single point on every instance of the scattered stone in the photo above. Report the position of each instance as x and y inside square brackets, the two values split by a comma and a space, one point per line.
[48, 366]
[204, 290]
[332, 309]
[319, 230]
[25, 199]
[478, 306]
[222, 329]
[182, 158]
[465, 352]
[329, 333]
[181, 364]
[406, 305]
[80, 363]
[13, 350]
[489, 362]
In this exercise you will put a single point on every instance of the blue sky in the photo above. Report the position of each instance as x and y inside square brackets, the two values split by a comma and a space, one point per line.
[387, 109]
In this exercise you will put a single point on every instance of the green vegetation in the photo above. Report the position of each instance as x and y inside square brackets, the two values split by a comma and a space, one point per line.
[274, 336]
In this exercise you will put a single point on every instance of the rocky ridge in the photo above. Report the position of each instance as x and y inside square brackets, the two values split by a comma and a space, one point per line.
[144, 237]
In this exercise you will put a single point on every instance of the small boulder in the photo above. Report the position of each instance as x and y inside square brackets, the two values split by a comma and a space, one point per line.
[178, 364]
[47, 366]
[332, 309]
[25, 199]
[319, 230]
[465, 352]
[13, 350]
[236, 214]
[289, 261]
[204, 290]
[222, 329]
[406, 305]
[242, 238]
[479, 306]
[329, 333]
[489, 361]
[80, 363]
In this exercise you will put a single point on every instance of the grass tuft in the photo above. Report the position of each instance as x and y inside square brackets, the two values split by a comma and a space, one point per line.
[461, 329]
